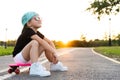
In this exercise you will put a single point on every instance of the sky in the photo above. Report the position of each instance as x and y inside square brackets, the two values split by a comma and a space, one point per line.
[63, 20]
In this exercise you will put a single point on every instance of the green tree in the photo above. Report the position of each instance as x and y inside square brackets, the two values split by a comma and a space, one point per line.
[100, 7]
[118, 38]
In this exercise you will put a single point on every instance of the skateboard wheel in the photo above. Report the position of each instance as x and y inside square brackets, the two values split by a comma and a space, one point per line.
[10, 71]
[17, 71]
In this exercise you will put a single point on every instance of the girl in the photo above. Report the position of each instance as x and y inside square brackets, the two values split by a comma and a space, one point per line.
[31, 44]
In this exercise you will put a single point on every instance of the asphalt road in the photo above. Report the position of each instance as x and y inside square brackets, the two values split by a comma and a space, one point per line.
[83, 64]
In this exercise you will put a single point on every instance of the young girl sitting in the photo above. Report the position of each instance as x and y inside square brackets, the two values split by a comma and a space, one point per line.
[31, 44]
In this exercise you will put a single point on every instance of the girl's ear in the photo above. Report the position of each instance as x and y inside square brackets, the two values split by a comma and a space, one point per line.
[28, 23]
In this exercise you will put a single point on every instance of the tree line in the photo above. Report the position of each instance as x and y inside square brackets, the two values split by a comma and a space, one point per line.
[115, 41]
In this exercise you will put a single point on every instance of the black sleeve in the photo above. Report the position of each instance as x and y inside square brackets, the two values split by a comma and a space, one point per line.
[29, 32]
[40, 35]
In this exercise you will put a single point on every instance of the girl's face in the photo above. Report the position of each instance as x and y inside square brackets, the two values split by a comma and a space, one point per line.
[35, 22]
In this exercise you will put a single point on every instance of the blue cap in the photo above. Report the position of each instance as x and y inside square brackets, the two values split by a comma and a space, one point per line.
[27, 16]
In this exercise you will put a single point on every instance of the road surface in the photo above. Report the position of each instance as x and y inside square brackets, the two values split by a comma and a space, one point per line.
[83, 64]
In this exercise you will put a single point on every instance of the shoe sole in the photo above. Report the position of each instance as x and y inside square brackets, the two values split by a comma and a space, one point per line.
[40, 75]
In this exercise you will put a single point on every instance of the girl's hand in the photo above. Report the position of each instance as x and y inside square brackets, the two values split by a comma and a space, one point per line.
[55, 55]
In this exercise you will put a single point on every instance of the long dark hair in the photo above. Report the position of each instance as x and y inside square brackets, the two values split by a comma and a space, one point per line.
[25, 26]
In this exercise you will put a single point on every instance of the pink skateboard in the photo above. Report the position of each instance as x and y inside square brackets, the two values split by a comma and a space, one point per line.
[15, 67]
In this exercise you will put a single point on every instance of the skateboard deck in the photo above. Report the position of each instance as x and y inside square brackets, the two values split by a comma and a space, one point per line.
[15, 67]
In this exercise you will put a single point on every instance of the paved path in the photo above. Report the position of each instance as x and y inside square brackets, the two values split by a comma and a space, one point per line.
[83, 64]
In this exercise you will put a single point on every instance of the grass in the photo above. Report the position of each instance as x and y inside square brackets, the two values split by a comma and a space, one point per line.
[7, 51]
[112, 52]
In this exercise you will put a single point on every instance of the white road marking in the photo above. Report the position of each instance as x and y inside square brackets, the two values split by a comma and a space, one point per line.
[4, 70]
[23, 69]
[106, 57]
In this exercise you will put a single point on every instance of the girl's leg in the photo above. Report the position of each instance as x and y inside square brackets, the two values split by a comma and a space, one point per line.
[55, 65]
[51, 57]
[32, 51]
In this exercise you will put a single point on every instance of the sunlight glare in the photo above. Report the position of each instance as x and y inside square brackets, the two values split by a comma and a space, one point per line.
[65, 41]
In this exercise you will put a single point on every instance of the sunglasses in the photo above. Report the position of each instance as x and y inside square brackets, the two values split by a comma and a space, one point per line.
[37, 18]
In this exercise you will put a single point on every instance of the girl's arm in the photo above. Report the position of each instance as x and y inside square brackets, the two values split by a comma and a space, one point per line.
[49, 42]
[52, 45]
[44, 43]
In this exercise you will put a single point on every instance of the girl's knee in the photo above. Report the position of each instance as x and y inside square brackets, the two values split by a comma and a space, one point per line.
[35, 43]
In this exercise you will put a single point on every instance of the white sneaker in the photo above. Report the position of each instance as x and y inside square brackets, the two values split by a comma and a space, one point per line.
[58, 67]
[39, 70]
